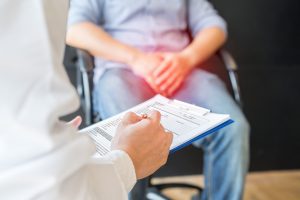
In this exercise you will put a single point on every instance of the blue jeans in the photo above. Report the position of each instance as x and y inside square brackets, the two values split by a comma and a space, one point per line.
[226, 153]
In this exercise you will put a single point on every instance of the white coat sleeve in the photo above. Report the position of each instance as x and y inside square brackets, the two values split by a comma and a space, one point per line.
[40, 156]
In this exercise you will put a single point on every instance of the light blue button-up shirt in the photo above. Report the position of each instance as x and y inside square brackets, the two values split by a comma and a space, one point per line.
[149, 25]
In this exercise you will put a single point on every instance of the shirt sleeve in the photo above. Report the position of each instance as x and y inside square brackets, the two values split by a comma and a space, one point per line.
[109, 177]
[201, 15]
[85, 11]
[124, 166]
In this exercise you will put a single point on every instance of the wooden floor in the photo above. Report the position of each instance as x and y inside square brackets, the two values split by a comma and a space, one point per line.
[274, 185]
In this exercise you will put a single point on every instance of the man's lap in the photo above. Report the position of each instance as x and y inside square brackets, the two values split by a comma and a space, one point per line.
[119, 89]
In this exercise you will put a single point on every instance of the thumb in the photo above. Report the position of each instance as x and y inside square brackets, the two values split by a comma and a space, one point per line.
[155, 116]
[76, 121]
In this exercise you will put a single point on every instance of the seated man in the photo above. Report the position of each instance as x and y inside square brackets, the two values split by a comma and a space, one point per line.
[144, 47]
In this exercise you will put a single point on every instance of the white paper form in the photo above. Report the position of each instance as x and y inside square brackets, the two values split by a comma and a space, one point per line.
[184, 120]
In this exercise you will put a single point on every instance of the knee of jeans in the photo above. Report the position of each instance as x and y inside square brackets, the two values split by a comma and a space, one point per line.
[109, 83]
[204, 77]
[238, 133]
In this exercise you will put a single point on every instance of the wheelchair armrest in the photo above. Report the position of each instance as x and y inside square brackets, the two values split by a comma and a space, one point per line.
[85, 61]
[85, 69]
[232, 68]
[228, 60]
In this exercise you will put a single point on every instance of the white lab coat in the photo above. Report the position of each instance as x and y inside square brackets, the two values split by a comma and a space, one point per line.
[40, 156]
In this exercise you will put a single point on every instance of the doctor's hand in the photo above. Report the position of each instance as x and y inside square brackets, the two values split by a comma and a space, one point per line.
[145, 141]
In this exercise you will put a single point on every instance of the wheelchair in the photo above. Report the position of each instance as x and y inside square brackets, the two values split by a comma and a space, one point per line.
[84, 62]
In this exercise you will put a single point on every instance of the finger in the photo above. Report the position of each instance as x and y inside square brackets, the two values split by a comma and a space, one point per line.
[161, 68]
[76, 121]
[130, 118]
[167, 146]
[162, 127]
[165, 75]
[164, 158]
[155, 116]
[174, 86]
[169, 139]
[169, 82]
[152, 85]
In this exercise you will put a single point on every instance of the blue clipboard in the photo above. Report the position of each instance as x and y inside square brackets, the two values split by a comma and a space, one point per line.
[230, 121]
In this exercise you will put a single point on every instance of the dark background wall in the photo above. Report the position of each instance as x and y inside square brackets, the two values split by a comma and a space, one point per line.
[264, 37]
[265, 40]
